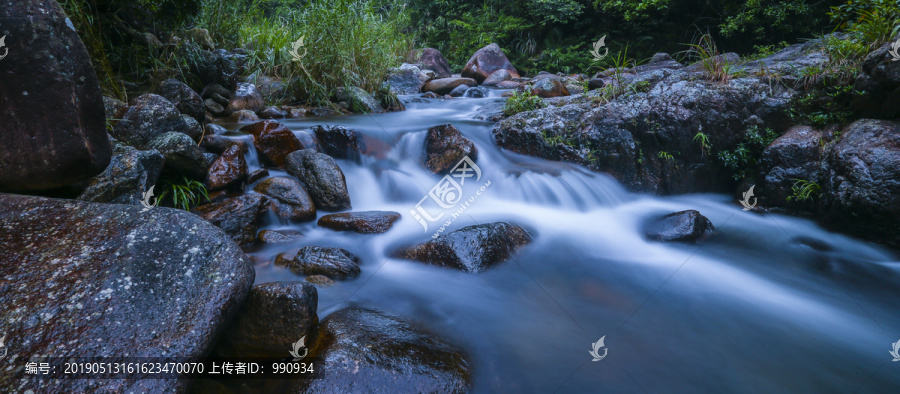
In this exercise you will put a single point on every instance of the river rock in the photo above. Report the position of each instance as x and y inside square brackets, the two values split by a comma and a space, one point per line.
[432, 59]
[245, 97]
[200, 37]
[182, 154]
[444, 86]
[192, 128]
[147, 117]
[876, 90]
[290, 200]
[795, 155]
[369, 351]
[230, 169]
[359, 100]
[219, 144]
[340, 142]
[548, 86]
[407, 79]
[861, 189]
[459, 91]
[185, 99]
[366, 222]
[445, 146]
[485, 62]
[323, 178]
[214, 107]
[130, 174]
[238, 216]
[274, 317]
[684, 226]
[113, 107]
[128, 283]
[335, 263]
[52, 110]
[272, 112]
[320, 280]
[277, 237]
[470, 249]
[273, 140]
[243, 116]
[497, 77]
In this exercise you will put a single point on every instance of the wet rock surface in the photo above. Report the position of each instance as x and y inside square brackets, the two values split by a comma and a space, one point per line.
[237, 216]
[444, 86]
[107, 281]
[273, 140]
[245, 97]
[323, 178]
[684, 226]
[45, 149]
[366, 350]
[445, 146]
[277, 237]
[147, 117]
[228, 170]
[340, 142]
[182, 155]
[185, 99]
[335, 263]
[470, 249]
[274, 316]
[130, 174]
[366, 222]
[289, 198]
[485, 62]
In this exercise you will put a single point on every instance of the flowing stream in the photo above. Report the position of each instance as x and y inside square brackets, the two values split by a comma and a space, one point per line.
[770, 303]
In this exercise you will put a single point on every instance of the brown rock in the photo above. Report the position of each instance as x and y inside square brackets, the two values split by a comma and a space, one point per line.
[444, 86]
[367, 222]
[445, 146]
[277, 237]
[236, 216]
[273, 140]
[471, 249]
[290, 200]
[485, 62]
[230, 169]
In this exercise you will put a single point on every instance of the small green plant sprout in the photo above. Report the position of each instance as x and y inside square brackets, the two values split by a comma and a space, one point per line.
[803, 190]
[186, 194]
[717, 67]
[522, 101]
[703, 139]
[665, 155]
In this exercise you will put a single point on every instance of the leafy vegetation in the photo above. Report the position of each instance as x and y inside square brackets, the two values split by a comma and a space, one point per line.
[521, 101]
[803, 190]
[184, 194]
[703, 139]
[743, 159]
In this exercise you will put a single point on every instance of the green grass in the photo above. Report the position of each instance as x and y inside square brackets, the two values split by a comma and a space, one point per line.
[703, 139]
[184, 194]
[522, 101]
[803, 190]
[717, 67]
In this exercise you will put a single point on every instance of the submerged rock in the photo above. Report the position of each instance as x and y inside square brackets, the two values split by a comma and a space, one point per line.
[335, 263]
[320, 280]
[445, 146]
[274, 316]
[290, 200]
[273, 140]
[470, 249]
[684, 226]
[487, 61]
[323, 178]
[52, 110]
[126, 283]
[237, 216]
[366, 222]
[369, 351]
[130, 174]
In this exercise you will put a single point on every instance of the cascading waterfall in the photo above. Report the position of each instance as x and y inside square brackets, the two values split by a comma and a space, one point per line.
[753, 309]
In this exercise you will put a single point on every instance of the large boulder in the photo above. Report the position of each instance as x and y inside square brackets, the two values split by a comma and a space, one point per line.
[290, 200]
[340, 142]
[274, 316]
[238, 216]
[273, 140]
[183, 97]
[861, 190]
[486, 61]
[548, 85]
[407, 79]
[126, 283]
[183, 156]
[365, 222]
[444, 86]
[323, 178]
[335, 263]
[496, 77]
[228, 170]
[245, 97]
[445, 146]
[147, 117]
[432, 59]
[130, 174]
[684, 226]
[51, 107]
[368, 351]
[876, 91]
[794, 156]
[470, 249]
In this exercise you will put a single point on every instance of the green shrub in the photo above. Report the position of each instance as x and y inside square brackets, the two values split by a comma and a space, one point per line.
[743, 159]
[803, 190]
[871, 21]
[184, 194]
[522, 101]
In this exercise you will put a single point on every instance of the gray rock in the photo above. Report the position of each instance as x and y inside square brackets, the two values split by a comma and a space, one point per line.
[182, 155]
[290, 200]
[323, 178]
[470, 249]
[445, 146]
[277, 237]
[340, 142]
[432, 59]
[369, 351]
[272, 112]
[243, 116]
[245, 97]
[183, 97]
[112, 107]
[795, 155]
[459, 91]
[335, 263]
[684, 226]
[130, 174]
[192, 128]
[876, 91]
[237, 216]
[485, 62]
[497, 77]
[128, 283]
[359, 101]
[365, 222]
[148, 117]
[406, 79]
